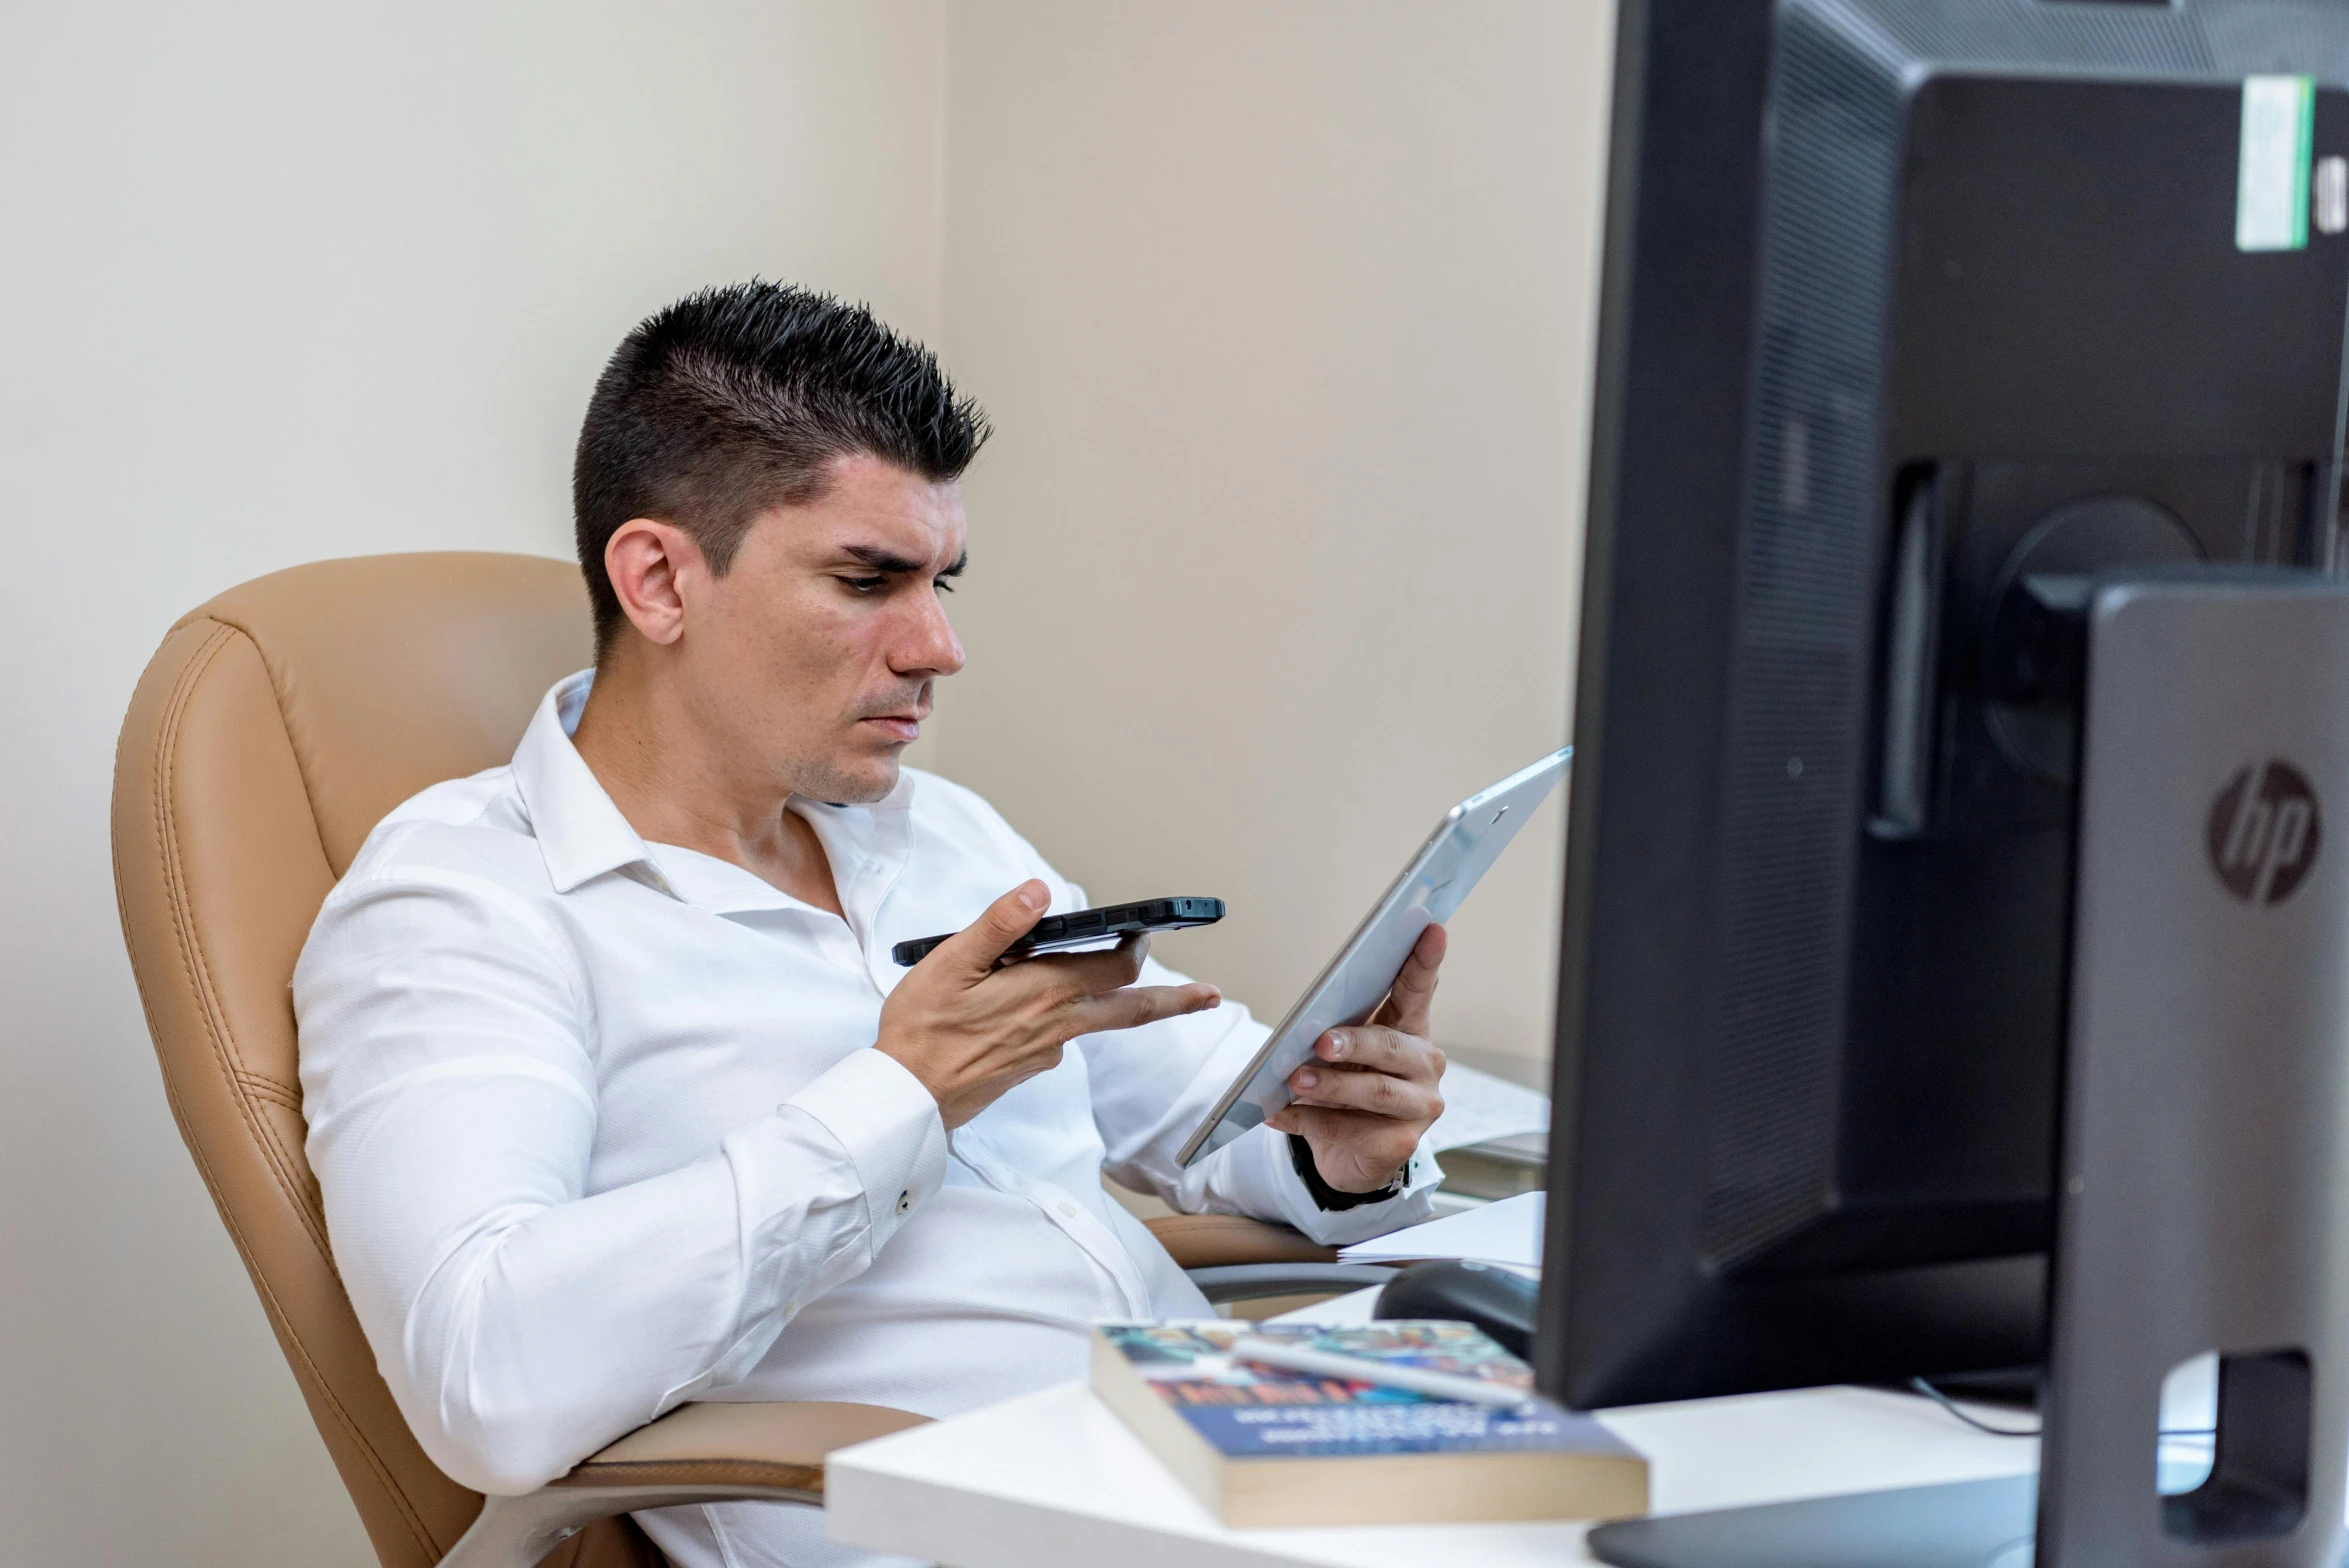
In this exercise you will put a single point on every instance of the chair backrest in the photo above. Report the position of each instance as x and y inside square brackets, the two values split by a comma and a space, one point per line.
[274, 728]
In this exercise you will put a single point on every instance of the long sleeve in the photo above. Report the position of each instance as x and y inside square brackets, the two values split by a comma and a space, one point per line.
[450, 1080]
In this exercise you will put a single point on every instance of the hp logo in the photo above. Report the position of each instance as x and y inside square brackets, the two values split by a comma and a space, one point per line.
[2264, 832]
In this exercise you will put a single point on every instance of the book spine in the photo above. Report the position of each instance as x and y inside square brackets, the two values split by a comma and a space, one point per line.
[1129, 1396]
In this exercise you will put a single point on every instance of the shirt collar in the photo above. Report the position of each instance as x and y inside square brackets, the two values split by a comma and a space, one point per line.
[580, 832]
[583, 835]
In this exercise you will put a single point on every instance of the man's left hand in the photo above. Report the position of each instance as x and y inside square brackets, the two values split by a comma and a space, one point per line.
[1370, 1094]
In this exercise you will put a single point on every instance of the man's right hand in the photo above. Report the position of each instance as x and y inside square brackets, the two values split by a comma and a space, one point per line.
[970, 1031]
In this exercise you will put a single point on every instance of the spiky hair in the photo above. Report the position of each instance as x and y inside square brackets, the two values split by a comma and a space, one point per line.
[737, 399]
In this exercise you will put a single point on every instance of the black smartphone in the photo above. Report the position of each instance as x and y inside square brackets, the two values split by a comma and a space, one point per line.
[1083, 926]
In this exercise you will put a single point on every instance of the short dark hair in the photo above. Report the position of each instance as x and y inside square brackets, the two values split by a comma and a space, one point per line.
[737, 399]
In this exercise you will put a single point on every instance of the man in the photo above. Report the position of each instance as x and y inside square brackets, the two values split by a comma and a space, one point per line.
[614, 1094]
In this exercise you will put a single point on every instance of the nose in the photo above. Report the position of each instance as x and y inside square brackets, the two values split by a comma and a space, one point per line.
[929, 647]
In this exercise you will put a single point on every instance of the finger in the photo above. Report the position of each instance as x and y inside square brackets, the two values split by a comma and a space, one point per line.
[1407, 1004]
[974, 950]
[1139, 1005]
[1072, 975]
[1387, 1050]
[1379, 1094]
[1375, 1141]
[1321, 1122]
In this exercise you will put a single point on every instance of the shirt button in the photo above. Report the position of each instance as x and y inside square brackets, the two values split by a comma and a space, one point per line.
[904, 1201]
[1068, 1210]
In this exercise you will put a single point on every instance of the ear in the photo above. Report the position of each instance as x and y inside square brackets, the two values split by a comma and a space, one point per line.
[645, 560]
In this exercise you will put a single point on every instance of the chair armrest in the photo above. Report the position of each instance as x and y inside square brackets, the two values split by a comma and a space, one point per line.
[694, 1454]
[1229, 1283]
[1199, 1241]
[771, 1445]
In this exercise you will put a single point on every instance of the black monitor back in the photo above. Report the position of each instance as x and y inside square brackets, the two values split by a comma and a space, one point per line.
[1902, 301]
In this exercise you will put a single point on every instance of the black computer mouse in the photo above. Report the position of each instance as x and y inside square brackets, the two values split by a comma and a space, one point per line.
[1498, 1300]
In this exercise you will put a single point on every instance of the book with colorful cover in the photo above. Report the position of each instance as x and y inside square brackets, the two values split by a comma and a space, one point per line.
[1260, 1445]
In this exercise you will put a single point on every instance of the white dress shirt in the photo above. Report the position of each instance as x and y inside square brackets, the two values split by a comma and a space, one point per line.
[600, 1131]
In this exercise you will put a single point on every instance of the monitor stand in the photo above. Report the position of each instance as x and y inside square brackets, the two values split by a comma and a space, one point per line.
[2204, 1171]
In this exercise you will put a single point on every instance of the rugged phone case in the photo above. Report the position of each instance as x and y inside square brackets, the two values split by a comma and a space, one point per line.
[1084, 926]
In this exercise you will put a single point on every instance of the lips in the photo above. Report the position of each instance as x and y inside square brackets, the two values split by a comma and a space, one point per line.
[902, 725]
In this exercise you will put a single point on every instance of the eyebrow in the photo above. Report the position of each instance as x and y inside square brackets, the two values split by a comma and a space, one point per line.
[882, 560]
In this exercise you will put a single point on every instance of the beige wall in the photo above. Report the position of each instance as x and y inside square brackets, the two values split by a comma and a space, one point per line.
[1282, 309]
[1283, 313]
[283, 281]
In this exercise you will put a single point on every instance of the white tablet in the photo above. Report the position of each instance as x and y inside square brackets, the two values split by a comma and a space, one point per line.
[1448, 866]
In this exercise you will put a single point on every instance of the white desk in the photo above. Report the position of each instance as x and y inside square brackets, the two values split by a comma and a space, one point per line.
[1053, 1480]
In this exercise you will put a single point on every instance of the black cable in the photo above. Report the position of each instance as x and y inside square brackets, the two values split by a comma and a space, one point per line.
[1945, 1402]
[1979, 1425]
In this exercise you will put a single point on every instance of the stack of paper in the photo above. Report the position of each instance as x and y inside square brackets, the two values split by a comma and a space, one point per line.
[1479, 1107]
[1509, 1231]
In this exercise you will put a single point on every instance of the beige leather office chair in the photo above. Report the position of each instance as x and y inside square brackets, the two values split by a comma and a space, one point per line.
[275, 726]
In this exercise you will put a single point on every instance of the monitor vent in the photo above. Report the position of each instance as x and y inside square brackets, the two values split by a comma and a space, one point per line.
[1797, 740]
[2251, 37]
[1798, 744]
[2070, 35]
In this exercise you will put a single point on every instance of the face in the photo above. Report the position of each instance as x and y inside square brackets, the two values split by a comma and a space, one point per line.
[812, 659]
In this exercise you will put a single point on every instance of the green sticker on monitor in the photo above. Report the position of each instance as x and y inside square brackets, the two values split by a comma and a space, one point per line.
[2271, 181]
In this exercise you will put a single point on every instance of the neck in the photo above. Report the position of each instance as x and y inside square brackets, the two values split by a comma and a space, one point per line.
[677, 782]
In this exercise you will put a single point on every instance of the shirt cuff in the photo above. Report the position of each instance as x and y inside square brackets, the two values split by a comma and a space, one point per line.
[1254, 1175]
[888, 1122]
[1329, 1198]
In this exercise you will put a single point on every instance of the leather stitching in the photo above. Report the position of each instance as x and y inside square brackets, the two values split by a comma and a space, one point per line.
[783, 1477]
[282, 1157]
[167, 841]
[269, 1088]
[216, 1018]
[301, 763]
[192, 963]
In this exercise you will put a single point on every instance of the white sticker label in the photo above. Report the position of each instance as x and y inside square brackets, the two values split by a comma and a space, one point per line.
[2332, 195]
[2271, 180]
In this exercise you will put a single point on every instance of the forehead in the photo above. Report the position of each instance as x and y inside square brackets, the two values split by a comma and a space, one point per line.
[873, 503]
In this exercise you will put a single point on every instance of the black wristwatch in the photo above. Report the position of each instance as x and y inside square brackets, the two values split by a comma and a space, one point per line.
[1326, 1197]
